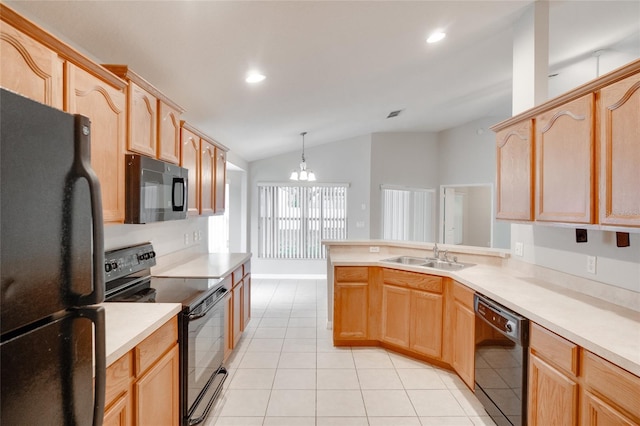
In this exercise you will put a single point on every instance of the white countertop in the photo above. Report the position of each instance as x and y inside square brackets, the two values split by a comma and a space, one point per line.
[208, 265]
[606, 329]
[128, 324]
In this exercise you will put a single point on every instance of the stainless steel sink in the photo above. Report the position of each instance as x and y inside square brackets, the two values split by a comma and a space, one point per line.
[429, 263]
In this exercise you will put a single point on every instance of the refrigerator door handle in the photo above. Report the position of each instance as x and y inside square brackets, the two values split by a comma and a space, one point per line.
[96, 315]
[82, 168]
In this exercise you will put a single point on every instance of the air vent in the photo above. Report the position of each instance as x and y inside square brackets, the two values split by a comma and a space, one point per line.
[394, 113]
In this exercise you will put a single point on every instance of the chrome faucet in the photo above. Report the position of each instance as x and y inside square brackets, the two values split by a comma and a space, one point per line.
[436, 251]
[444, 256]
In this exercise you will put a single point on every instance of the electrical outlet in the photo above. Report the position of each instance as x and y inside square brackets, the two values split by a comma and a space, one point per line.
[374, 249]
[195, 236]
[186, 238]
[519, 249]
[591, 264]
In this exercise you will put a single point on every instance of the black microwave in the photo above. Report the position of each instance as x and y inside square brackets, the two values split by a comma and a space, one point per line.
[155, 191]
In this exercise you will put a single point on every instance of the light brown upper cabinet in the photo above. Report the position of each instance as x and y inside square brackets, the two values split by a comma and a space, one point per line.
[153, 120]
[168, 132]
[142, 120]
[620, 153]
[29, 68]
[586, 150]
[564, 145]
[202, 156]
[220, 181]
[514, 172]
[190, 159]
[207, 176]
[105, 106]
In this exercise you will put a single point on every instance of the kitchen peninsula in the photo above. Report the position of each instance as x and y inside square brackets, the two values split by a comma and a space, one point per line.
[580, 344]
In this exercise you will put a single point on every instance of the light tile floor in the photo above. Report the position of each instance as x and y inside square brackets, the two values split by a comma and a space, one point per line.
[286, 371]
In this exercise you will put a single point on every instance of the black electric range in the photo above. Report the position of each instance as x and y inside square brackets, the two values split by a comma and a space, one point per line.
[201, 321]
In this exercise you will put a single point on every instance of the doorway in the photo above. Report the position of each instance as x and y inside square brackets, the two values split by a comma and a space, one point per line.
[466, 213]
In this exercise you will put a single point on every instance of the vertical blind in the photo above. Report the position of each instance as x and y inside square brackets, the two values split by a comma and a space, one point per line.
[408, 214]
[294, 219]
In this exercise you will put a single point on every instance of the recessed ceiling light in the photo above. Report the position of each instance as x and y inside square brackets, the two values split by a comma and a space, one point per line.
[436, 37]
[254, 77]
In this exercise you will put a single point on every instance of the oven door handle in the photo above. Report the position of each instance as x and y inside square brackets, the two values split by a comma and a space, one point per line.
[221, 295]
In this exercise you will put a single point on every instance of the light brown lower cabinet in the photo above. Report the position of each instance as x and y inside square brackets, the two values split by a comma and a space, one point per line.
[143, 385]
[412, 319]
[238, 305]
[462, 337]
[569, 385]
[238, 297]
[553, 395]
[351, 303]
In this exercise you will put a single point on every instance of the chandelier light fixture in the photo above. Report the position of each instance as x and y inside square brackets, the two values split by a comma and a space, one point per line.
[302, 173]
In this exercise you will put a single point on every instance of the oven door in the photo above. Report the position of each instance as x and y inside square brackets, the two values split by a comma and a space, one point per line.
[204, 354]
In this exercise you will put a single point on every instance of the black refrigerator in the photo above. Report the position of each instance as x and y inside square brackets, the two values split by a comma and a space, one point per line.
[52, 344]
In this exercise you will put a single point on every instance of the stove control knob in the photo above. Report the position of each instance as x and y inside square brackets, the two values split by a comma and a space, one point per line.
[114, 265]
[107, 267]
[509, 327]
[140, 257]
[152, 254]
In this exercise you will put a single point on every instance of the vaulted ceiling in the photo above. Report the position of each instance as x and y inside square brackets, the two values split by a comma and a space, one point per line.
[333, 68]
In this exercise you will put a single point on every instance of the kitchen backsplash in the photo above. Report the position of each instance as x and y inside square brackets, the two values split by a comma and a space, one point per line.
[167, 237]
[556, 248]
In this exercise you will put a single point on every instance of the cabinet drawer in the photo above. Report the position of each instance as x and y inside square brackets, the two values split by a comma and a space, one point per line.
[560, 352]
[414, 280]
[612, 383]
[237, 275]
[118, 378]
[345, 274]
[154, 346]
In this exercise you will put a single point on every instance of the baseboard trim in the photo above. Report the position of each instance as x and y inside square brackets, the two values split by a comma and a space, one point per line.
[290, 276]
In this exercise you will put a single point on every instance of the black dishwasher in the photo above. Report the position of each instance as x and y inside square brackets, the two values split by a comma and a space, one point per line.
[501, 361]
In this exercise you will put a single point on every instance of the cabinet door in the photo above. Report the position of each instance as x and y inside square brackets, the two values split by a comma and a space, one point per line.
[514, 158]
[396, 315]
[553, 397]
[119, 414]
[620, 153]
[29, 68]
[190, 159]
[228, 321]
[596, 412]
[143, 115]
[168, 133]
[105, 106]
[220, 180]
[238, 299]
[207, 170]
[246, 303]
[463, 345]
[426, 323]
[157, 393]
[351, 310]
[564, 167]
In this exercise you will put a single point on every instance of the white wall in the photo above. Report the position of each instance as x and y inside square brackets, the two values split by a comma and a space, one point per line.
[556, 248]
[405, 159]
[347, 161]
[467, 155]
[167, 237]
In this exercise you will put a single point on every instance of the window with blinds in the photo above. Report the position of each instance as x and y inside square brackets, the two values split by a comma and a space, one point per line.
[294, 219]
[408, 213]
